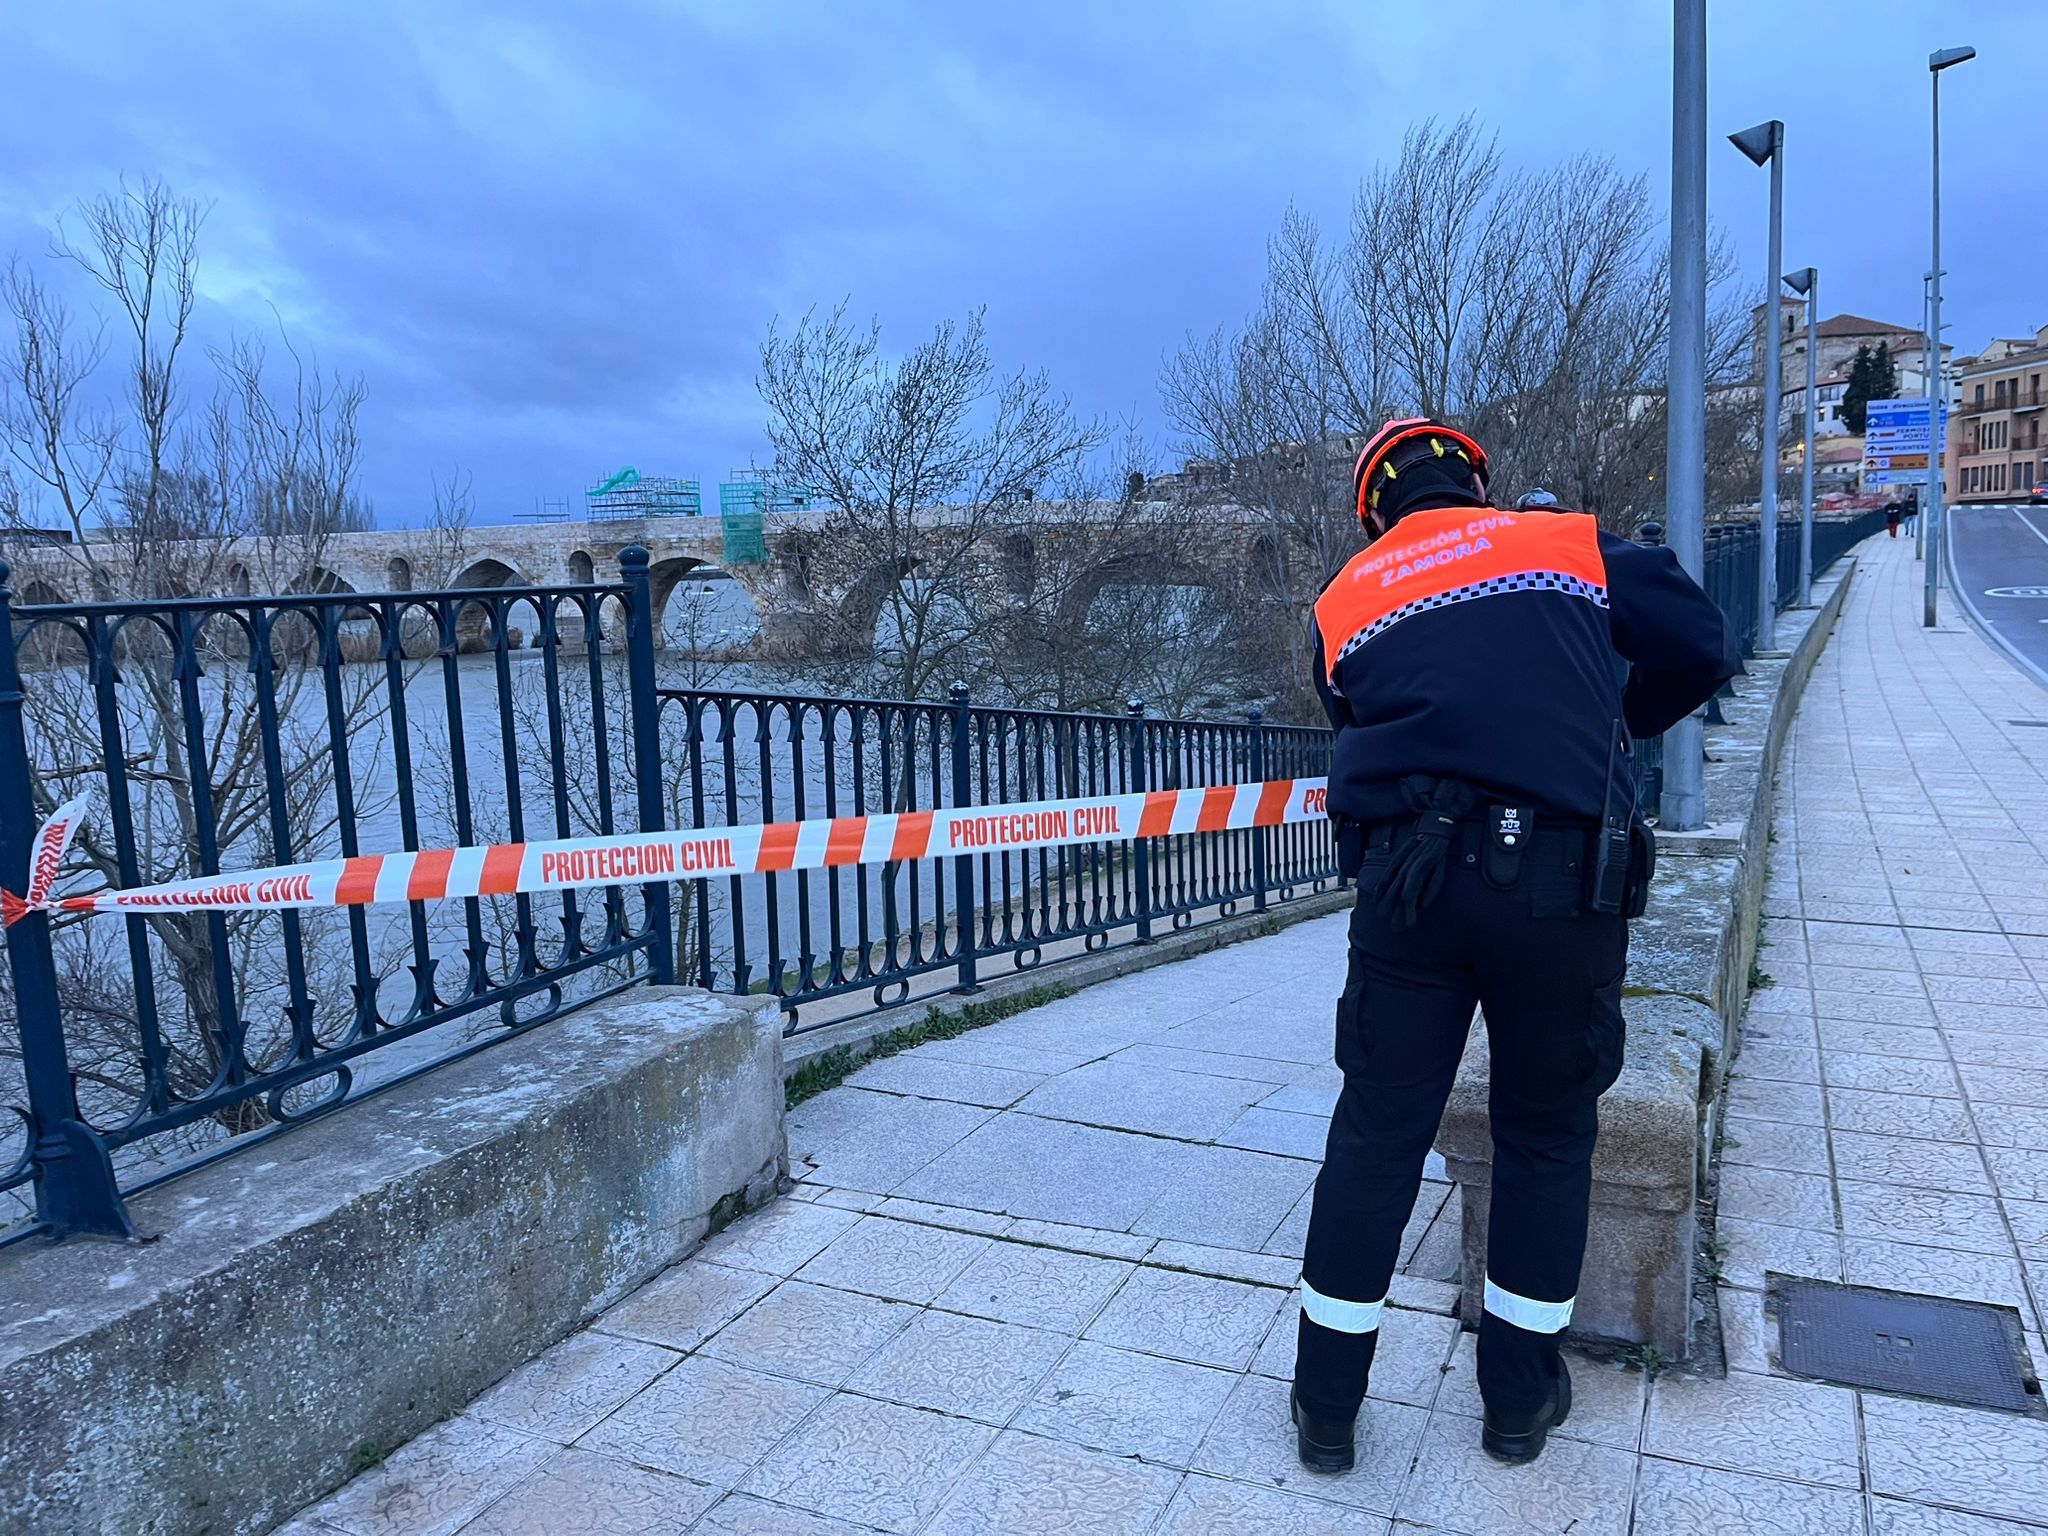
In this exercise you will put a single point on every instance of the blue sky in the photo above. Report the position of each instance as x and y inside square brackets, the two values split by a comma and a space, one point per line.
[551, 237]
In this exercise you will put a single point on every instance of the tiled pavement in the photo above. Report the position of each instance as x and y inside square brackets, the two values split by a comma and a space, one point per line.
[1035, 1278]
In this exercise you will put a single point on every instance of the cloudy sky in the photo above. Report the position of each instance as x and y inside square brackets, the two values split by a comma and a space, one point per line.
[551, 236]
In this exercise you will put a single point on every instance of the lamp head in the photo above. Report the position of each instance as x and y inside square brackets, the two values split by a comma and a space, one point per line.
[1938, 61]
[1802, 280]
[1760, 142]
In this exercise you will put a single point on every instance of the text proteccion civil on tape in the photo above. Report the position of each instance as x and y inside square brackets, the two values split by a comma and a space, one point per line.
[506, 869]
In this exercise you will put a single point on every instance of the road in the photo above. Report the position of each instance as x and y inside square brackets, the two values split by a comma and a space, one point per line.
[1999, 557]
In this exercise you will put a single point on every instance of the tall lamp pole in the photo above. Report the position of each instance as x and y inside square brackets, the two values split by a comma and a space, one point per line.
[1806, 283]
[1765, 145]
[1936, 63]
[1935, 464]
[1682, 806]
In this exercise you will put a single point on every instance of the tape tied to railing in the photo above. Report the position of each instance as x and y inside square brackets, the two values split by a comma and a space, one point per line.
[508, 869]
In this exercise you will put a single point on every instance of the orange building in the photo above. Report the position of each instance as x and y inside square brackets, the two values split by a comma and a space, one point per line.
[1996, 448]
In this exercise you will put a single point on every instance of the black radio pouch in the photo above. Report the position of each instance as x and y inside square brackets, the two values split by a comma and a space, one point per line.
[1614, 841]
[1642, 868]
[1350, 835]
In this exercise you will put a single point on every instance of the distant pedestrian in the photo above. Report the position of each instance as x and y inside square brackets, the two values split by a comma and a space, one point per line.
[1892, 513]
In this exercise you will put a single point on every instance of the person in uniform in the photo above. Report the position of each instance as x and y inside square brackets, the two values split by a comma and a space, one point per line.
[1484, 671]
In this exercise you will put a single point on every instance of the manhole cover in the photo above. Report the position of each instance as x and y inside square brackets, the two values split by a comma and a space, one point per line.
[1926, 1346]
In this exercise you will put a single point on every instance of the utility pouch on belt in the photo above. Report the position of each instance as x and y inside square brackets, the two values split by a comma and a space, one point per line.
[1614, 842]
[1642, 865]
[1507, 834]
[1350, 835]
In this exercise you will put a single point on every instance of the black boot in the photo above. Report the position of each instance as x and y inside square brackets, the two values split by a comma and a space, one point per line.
[1324, 1445]
[1520, 1436]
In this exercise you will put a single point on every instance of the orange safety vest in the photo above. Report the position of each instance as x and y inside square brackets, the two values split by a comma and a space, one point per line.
[1445, 555]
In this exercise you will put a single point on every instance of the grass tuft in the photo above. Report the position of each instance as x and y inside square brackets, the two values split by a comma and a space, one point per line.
[833, 1067]
[1647, 1358]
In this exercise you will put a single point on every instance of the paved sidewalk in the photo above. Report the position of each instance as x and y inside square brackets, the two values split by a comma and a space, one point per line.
[1036, 1278]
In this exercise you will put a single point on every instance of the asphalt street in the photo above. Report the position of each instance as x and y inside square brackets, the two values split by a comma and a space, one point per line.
[1999, 559]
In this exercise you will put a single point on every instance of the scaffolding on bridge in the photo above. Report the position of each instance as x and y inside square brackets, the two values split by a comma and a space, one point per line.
[632, 494]
[748, 490]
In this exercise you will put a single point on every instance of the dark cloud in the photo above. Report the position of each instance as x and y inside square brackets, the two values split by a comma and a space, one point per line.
[551, 237]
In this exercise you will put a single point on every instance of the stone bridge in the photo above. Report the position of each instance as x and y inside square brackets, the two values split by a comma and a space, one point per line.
[814, 592]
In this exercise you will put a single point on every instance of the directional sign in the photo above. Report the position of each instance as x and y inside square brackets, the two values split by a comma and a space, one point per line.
[1899, 441]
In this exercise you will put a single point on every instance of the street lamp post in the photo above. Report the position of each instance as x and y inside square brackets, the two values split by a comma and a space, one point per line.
[1682, 804]
[1806, 282]
[1936, 63]
[1935, 461]
[1765, 145]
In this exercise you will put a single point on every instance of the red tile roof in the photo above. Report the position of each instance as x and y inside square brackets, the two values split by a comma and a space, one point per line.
[1857, 325]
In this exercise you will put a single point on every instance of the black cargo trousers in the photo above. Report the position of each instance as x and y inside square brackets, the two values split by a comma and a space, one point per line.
[1520, 944]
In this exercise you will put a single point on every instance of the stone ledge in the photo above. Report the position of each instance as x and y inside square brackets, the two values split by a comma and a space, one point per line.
[1715, 841]
[330, 1295]
[1688, 973]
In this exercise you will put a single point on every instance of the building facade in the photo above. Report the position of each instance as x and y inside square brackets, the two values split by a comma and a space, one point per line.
[1837, 340]
[1996, 448]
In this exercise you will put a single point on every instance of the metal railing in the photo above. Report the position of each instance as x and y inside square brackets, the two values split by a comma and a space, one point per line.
[230, 733]
[1729, 574]
[2009, 400]
[810, 937]
[226, 733]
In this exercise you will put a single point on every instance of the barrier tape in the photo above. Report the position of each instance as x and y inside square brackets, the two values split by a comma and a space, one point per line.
[506, 869]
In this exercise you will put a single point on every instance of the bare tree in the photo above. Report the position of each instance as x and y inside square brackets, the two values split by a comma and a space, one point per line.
[1439, 225]
[923, 463]
[1108, 592]
[163, 496]
[1269, 421]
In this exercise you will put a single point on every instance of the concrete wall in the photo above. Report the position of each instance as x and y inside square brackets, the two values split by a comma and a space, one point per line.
[312, 1303]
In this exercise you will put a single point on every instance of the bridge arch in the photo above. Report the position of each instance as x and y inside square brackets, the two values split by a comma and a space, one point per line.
[1150, 568]
[1017, 558]
[793, 568]
[663, 577]
[1266, 561]
[488, 571]
[860, 610]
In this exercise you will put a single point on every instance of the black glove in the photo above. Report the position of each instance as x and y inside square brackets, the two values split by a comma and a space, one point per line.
[1416, 875]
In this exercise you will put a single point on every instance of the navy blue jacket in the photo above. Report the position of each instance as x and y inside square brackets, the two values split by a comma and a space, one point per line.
[1498, 648]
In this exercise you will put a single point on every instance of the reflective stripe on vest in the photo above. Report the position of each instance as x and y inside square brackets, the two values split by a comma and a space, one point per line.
[1342, 1316]
[1524, 1312]
[1452, 555]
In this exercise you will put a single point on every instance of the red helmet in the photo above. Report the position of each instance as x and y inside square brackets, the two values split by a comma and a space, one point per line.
[1417, 435]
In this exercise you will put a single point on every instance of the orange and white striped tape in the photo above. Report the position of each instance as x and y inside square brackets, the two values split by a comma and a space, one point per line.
[505, 869]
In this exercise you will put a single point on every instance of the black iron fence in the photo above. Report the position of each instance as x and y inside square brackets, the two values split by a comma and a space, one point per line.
[217, 734]
[1730, 575]
[226, 733]
[865, 934]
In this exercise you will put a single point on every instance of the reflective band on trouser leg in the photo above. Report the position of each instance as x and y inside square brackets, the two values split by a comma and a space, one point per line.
[1342, 1316]
[1536, 1316]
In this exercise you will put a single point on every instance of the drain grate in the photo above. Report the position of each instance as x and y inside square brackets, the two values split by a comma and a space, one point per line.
[2040, 724]
[1926, 1346]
